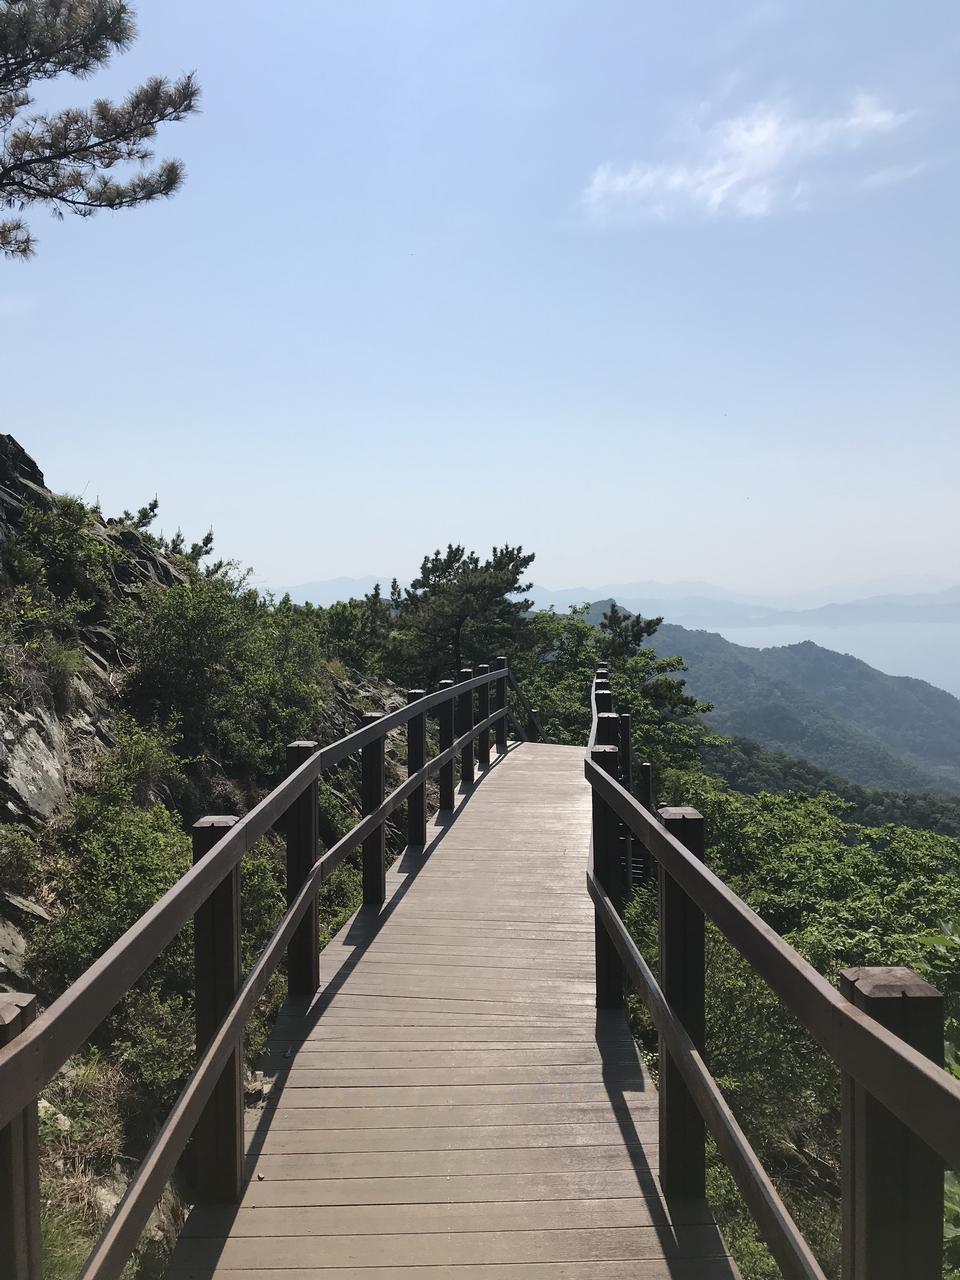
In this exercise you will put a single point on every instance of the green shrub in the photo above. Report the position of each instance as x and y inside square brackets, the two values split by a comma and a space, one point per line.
[19, 859]
[69, 1234]
[142, 766]
[155, 1046]
[239, 677]
[58, 551]
[115, 861]
[63, 663]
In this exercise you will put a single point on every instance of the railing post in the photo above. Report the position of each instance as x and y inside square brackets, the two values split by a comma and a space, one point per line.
[645, 786]
[608, 730]
[483, 710]
[218, 1137]
[606, 867]
[499, 704]
[647, 799]
[626, 779]
[372, 789]
[892, 1183]
[303, 841]
[533, 729]
[464, 724]
[445, 718]
[20, 1241]
[416, 759]
[604, 699]
[682, 1143]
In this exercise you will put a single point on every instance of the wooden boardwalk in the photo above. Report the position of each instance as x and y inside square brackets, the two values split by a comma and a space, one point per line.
[451, 1104]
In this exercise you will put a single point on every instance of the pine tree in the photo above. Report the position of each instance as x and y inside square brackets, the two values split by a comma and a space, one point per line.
[623, 633]
[461, 610]
[66, 160]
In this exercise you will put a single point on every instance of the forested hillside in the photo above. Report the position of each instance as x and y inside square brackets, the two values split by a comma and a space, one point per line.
[144, 683]
[827, 708]
[875, 729]
[750, 768]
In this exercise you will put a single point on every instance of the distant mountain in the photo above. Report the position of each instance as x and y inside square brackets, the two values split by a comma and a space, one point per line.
[330, 590]
[711, 611]
[938, 606]
[828, 708]
[563, 597]
[699, 598]
[902, 584]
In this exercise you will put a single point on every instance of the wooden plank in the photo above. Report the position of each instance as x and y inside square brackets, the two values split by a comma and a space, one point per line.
[490, 1031]
[454, 1161]
[439, 1189]
[450, 1249]
[404, 1097]
[464, 1076]
[596, 1127]
[443, 1116]
[415, 1057]
[428, 1219]
[641, 1269]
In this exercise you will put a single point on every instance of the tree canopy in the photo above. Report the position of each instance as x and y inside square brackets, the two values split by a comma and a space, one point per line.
[459, 610]
[67, 160]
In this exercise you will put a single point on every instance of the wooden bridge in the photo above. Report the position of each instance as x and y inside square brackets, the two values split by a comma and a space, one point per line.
[455, 1090]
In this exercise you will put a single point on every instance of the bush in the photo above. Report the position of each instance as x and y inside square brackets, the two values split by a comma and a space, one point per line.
[19, 864]
[239, 677]
[143, 765]
[64, 662]
[57, 551]
[58, 572]
[155, 1047]
[115, 862]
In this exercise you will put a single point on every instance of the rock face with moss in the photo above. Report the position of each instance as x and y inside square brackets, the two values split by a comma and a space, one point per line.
[64, 576]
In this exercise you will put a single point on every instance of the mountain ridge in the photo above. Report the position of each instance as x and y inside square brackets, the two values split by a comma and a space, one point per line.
[834, 710]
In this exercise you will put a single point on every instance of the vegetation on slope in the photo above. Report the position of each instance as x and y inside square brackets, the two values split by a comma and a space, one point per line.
[751, 768]
[879, 731]
[842, 894]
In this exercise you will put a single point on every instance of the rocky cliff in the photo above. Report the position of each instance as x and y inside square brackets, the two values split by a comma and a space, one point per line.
[39, 740]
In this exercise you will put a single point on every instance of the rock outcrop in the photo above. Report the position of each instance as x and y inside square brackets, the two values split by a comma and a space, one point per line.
[39, 741]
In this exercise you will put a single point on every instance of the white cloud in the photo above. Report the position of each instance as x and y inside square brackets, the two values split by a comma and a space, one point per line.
[893, 175]
[747, 165]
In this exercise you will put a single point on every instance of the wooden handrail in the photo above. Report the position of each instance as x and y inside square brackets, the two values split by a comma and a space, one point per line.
[924, 1096]
[913, 1088]
[31, 1060]
[791, 1251]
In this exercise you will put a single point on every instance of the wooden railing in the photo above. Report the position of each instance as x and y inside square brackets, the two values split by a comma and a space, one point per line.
[884, 1029]
[210, 1107]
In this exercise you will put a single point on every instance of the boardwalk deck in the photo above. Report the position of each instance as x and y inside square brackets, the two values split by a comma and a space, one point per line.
[451, 1103]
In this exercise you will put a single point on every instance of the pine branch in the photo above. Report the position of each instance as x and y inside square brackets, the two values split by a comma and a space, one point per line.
[41, 39]
[64, 159]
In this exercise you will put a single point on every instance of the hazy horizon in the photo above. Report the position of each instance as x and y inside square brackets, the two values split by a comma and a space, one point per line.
[843, 591]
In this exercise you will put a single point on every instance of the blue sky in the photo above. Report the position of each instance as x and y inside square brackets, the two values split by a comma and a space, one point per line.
[660, 291]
